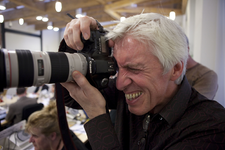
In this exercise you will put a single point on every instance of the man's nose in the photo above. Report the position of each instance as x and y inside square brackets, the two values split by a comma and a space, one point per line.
[123, 80]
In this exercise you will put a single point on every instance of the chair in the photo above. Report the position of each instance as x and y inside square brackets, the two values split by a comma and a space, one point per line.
[29, 109]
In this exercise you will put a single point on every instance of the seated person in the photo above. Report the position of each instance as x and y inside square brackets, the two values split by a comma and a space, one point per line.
[14, 114]
[200, 77]
[45, 132]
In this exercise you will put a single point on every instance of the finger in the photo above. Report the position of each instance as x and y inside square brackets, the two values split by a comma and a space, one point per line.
[74, 30]
[74, 35]
[87, 23]
[69, 86]
[69, 34]
[66, 35]
[81, 81]
[73, 89]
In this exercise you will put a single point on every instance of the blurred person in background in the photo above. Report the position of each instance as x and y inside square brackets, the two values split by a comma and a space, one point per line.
[203, 79]
[45, 132]
[14, 114]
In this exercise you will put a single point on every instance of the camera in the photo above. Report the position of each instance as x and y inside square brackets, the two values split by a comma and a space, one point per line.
[23, 68]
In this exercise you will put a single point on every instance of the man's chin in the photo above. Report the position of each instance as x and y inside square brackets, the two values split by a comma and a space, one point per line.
[136, 111]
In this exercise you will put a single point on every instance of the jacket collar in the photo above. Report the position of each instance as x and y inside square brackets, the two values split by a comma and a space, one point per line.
[177, 106]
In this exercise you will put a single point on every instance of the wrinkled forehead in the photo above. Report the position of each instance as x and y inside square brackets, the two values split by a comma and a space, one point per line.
[130, 46]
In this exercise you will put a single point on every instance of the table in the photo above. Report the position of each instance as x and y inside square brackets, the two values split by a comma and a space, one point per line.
[77, 128]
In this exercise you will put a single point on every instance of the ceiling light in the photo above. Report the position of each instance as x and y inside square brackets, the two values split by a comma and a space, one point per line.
[39, 17]
[49, 27]
[133, 5]
[19, 7]
[21, 21]
[58, 6]
[45, 19]
[172, 15]
[79, 13]
[56, 29]
[1, 18]
[2, 5]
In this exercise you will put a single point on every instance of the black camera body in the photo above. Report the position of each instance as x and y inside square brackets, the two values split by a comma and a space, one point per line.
[98, 54]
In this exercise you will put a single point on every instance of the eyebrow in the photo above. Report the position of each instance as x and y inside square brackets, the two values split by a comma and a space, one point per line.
[139, 66]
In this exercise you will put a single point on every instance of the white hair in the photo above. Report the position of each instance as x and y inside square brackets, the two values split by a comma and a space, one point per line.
[163, 35]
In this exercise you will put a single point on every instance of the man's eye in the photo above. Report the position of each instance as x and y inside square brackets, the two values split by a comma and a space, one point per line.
[133, 69]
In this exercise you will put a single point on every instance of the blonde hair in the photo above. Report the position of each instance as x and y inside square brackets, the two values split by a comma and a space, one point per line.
[46, 120]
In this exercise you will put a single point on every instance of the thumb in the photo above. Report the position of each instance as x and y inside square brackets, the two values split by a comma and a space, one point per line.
[81, 80]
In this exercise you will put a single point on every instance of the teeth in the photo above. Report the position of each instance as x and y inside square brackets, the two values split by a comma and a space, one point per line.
[132, 96]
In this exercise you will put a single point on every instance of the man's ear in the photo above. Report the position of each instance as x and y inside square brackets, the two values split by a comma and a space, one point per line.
[53, 136]
[177, 71]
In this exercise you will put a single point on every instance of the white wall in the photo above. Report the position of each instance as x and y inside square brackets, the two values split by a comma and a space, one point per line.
[19, 41]
[220, 52]
[50, 38]
[24, 42]
[25, 28]
[205, 28]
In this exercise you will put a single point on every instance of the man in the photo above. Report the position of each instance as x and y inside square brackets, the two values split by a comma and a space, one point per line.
[156, 106]
[14, 114]
[203, 79]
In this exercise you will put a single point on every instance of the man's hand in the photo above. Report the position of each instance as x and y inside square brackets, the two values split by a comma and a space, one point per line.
[75, 28]
[89, 98]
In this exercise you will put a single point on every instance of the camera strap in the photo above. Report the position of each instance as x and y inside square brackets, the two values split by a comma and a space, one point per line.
[62, 97]
[60, 103]
[100, 27]
[62, 120]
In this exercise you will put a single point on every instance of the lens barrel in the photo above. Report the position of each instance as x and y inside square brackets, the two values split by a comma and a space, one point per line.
[59, 69]
[24, 68]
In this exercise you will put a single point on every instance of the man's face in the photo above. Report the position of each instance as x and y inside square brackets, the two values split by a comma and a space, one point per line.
[141, 77]
[39, 140]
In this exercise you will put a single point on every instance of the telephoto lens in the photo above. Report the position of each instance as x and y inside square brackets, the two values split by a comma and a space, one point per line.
[23, 68]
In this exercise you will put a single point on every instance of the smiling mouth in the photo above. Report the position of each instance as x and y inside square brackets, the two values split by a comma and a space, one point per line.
[132, 96]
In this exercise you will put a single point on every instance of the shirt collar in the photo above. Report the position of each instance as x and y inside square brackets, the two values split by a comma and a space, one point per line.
[176, 107]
